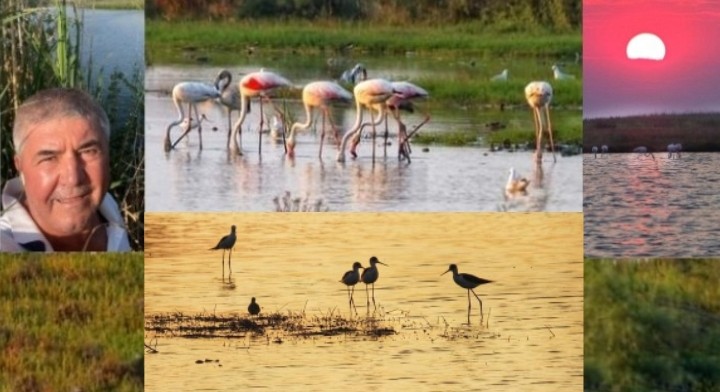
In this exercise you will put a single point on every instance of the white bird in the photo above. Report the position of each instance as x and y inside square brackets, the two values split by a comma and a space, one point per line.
[674, 150]
[515, 183]
[251, 85]
[643, 151]
[229, 95]
[539, 94]
[604, 149]
[190, 93]
[277, 128]
[318, 95]
[594, 151]
[501, 77]
[356, 74]
[372, 94]
[560, 75]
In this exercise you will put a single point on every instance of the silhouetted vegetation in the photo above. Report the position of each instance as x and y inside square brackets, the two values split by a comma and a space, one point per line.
[497, 15]
[652, 325]
[696, 132]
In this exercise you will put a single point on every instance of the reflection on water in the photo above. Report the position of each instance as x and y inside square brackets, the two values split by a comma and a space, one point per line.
[640, 206]
[442, 179]
[293, 263]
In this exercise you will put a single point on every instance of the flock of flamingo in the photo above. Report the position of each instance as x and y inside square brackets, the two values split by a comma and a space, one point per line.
[378, 96]
[352, 277]
[673, 150]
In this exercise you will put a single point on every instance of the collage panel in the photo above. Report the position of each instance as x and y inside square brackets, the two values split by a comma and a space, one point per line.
[339, 104]
[71, 128]
[651, 118]
[439, 301]
[71, 322]
[652, 324]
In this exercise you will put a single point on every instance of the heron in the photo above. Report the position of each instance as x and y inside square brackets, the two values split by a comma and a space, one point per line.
[469, 282]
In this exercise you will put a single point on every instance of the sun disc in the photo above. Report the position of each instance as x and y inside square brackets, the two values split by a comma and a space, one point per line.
[646, 46]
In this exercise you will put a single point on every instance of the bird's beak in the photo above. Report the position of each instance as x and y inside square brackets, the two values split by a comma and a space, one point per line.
[380, 262]
[445, 272]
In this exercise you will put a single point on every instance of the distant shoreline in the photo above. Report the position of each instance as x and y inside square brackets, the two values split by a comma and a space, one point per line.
[698, 132]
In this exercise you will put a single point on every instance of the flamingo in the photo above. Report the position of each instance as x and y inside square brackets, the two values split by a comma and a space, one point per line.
[367, 93]
[594, 151]
[515, 183]
[539, 94]
[674, 150]
[191, 93]
[643, 151]
[560, 75]
[469, 282]
[252, 85]
[318, 95]
[604, 149]
[501, 77]
[229, 95]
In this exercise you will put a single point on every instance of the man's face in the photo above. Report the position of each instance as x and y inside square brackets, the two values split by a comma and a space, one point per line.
[65, 166]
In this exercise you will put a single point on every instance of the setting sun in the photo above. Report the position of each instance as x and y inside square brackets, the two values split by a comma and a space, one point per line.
[646, 46]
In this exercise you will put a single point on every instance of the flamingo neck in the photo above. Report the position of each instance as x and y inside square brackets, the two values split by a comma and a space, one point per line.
[306, 124]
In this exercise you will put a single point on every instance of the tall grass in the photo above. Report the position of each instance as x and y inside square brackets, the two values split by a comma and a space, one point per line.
[71, 322]
[41, 49]
[652, 325]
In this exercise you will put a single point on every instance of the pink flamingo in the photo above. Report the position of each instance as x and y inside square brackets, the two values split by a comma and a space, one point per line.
[251, 85]
[372, 94]
[191, 93]
[318, 95]
[539, 95]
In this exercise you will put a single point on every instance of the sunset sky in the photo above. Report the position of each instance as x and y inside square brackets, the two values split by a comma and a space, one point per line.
[687, 80]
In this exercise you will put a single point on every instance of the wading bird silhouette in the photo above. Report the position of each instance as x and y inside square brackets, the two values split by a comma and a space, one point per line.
[468, 282]
[227, 243]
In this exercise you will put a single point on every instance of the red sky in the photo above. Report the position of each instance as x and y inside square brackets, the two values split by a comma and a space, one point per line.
[687, 80]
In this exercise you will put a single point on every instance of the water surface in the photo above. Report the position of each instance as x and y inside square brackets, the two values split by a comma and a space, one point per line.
[532, 339]
[640, 206]
[442, 179]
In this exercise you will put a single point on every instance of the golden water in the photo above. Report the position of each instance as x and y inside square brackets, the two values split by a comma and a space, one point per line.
[531, 338]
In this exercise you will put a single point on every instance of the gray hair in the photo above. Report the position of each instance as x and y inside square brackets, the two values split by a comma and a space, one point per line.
[55, 103]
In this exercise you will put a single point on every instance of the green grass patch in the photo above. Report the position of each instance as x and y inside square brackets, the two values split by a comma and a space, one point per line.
[163, 38]
[652, 325]
[71, 322]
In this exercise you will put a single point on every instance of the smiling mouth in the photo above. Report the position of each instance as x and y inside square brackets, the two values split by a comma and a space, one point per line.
[71, 200]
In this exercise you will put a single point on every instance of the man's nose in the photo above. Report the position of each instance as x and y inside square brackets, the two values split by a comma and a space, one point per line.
[73, 170]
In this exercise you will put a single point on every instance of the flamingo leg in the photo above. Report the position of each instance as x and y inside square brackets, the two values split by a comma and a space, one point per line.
[262, 118]
[387, 134]
[552, 145]
[538, 134]
[199, 124]
[336, 131]
[322, 134]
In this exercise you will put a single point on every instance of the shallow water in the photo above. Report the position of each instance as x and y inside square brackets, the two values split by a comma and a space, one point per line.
[443, 179]
[292, 262]
[639, 206]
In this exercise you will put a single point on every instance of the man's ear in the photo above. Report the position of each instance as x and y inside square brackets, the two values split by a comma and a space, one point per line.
[18, 167]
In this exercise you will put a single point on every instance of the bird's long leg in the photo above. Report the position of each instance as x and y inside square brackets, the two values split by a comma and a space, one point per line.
[552, 145]
[230, 262]
[262, 117]
[229, 114]
[372, 119]
[223, 264]
[478, 298]
[469, 306]
[387, 134]
[352, 300]
[538, 134]
[322, 133]
[373, 296]
[367, 297]
[194, 106]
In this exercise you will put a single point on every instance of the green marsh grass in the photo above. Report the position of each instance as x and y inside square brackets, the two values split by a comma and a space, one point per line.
[41, 49]
[71, 322]
[652, 325]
